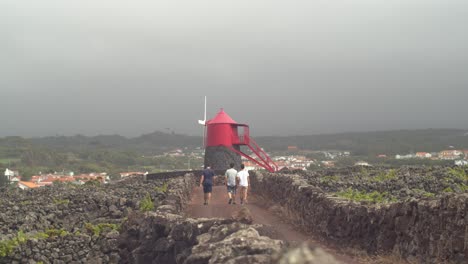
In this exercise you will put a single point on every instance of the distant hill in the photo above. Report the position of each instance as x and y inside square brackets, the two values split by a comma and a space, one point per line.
[370, 143]
[154, 143]
[362, 143]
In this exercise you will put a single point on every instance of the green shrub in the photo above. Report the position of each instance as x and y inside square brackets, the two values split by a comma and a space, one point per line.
[448, 190]
[364, 172]
[58, 201]
[424, 193]
[358, 196]
[40, 235]
[163, 188]
[27, 202]
[463, 187]
[329, 179]
[56, 232]
[99, 228]
[382, 176]
[92, 183]
[458, 173]
[9, 245]
[146, 204]
[428, 194]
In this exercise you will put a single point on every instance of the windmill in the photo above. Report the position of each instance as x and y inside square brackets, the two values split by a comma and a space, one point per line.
[223, 140]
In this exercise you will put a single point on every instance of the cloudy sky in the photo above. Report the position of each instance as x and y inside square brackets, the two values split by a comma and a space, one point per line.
[284, 67]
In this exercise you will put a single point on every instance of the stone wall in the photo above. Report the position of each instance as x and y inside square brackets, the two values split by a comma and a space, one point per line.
[220, 157]
[430, 230]
[104, 224]
[173, 239]
[79, 224]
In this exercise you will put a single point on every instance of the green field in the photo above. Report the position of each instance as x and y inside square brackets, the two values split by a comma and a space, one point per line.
[6, 161]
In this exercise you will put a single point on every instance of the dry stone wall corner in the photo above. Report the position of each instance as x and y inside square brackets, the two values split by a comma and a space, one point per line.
[429, 230]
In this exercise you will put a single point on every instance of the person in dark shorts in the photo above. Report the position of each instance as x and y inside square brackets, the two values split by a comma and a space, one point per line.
[231, 183]
[206, 181]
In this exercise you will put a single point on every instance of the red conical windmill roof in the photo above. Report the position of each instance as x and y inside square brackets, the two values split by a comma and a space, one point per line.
[221, 118]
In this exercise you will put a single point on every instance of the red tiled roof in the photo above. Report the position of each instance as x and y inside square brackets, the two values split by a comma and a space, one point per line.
[28, 184]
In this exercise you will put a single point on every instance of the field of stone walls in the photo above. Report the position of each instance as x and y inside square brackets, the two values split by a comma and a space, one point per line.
[69, 223]
[390, 185]
[418, 213]
[135, 221]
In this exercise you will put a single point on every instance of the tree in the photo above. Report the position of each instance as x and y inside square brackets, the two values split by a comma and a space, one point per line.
[3, 179]
[26, 174]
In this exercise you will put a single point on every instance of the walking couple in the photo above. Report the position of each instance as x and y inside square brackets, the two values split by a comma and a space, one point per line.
[233, 178]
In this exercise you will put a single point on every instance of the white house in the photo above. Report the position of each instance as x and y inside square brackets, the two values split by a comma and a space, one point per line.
[407, 156]
[362, 163]
[15, 179]
[461, 162]
[9, 174]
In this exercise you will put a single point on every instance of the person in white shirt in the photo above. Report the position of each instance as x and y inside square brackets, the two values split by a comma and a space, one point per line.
[244, 183]
[231, 182]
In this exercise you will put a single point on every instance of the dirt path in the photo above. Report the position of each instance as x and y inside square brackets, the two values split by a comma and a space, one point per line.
[220, 208]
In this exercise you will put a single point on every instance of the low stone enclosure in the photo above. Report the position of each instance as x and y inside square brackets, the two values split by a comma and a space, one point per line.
[418, 213]
[133, 221]
[67, 223]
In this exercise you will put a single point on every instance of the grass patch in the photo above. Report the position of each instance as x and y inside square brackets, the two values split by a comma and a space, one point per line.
[382, 176]
[163, 188]
[146, 204]
[99, 228]
[58, 201]
[27, 202]
[6, 161]
[56, 232]
[364, 172]
[424, 193]
[9, 245]
[448, 190]
[463, 187]
[92, 183]
[358, 196]
[458, 173]
[329, 179]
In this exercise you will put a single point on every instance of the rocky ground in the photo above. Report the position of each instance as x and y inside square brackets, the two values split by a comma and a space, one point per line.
[171, 238]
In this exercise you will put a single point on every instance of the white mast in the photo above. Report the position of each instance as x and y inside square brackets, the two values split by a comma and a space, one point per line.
[203, 123]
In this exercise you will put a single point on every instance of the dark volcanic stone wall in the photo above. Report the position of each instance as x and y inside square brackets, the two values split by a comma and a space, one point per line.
[220, 157]
[429, 230]
[75, 213]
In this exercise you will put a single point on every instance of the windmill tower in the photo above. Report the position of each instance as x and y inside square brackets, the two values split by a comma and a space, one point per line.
[223, 138]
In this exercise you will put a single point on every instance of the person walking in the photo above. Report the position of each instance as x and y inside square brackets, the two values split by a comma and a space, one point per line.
[244, 183]
[206, 181]
[231, 184]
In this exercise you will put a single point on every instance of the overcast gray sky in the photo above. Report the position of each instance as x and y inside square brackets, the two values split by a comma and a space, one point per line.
[284, 67]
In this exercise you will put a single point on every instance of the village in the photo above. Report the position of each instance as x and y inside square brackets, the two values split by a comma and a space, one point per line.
[41, 180]
[460, 157]
[292, 159]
